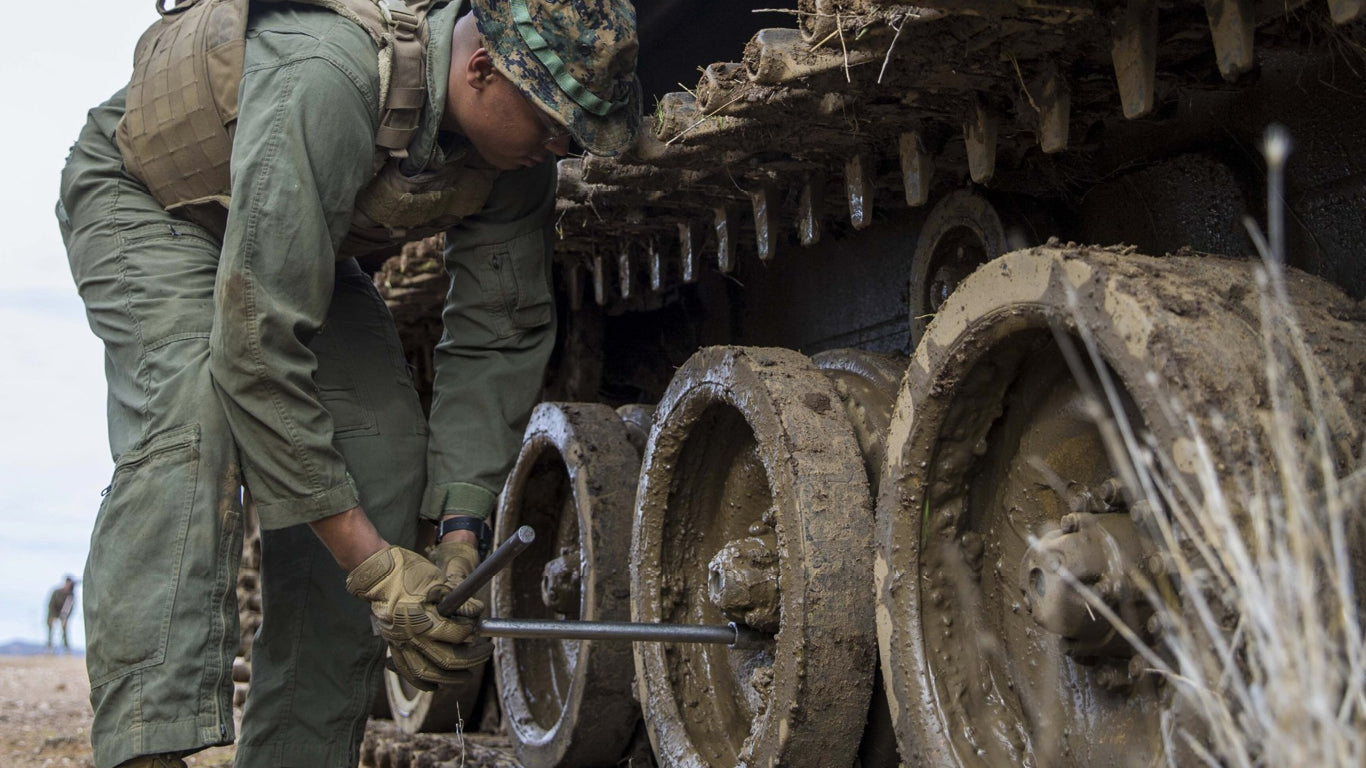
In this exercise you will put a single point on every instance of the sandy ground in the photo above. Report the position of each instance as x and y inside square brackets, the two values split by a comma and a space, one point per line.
[45, 723]
[45, 715]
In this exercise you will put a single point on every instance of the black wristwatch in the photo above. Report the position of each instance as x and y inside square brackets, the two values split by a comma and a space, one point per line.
[481, 531]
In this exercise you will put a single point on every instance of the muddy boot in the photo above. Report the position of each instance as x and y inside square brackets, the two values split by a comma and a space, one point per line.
[154, 761]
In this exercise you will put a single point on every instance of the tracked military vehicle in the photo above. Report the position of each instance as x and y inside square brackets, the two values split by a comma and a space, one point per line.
[866, 217]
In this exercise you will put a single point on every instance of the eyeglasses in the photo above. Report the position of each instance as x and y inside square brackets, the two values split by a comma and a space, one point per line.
[553, 130]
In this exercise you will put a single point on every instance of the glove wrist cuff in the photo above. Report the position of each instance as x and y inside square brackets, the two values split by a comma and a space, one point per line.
[371, 571]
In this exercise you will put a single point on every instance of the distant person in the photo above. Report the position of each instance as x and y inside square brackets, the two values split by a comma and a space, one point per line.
[59, 605]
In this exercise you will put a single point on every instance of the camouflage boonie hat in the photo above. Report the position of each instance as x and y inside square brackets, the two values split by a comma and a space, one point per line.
[575, 59]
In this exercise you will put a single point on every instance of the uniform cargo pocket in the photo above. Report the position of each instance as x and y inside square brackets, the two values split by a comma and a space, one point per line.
[134, 566]
[523, 279]
[338, 390]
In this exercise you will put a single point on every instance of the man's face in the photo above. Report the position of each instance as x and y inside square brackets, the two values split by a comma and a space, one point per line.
[505, 127]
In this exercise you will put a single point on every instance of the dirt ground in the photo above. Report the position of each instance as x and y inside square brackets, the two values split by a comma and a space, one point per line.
[44, 711]
[45, 723]
[45, 715]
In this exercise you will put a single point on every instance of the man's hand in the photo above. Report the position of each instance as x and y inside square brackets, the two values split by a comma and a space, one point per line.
[403, 589]
[457, 560]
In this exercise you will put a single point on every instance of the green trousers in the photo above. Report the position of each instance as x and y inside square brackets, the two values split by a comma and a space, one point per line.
[160, 582]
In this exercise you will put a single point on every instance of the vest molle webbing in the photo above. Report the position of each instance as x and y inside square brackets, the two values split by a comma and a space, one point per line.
[176, 133]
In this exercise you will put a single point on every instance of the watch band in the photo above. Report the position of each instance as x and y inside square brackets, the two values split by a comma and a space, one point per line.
[483, 533]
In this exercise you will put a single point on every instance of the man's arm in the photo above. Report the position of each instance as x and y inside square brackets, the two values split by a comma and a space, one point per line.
[499, 328]
[349, 536]
[302, 150]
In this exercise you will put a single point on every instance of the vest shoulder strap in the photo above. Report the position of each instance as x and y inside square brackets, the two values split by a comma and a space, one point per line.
[400, 31]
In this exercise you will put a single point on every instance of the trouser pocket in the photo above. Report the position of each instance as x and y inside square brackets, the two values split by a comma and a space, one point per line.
[515, 280]
[134, 568]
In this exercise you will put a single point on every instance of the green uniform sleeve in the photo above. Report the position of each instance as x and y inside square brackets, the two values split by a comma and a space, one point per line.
[303, 148]
[499, 328]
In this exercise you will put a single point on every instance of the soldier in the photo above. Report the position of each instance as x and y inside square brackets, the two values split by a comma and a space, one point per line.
[212, 212]
[59, 605]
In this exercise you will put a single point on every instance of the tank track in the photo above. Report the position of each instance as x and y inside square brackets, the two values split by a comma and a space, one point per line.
[867, 103]
[867, 109]
[385, 746]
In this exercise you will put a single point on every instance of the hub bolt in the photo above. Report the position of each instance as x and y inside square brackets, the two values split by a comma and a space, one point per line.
[742, 581]
[560, 584]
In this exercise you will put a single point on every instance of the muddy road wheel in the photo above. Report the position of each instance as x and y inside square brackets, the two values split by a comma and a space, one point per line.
[753, 508]
[963, 231]
[248, 602]
[867, 384]
[568, 702]
[637, 418]
[989, 659]
[414, 710]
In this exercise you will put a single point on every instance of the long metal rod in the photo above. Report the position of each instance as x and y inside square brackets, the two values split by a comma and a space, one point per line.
[732, 635]
[495, 562]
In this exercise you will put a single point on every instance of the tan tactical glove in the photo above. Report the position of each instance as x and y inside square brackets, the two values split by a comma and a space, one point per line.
[403, 589]
[457, 561]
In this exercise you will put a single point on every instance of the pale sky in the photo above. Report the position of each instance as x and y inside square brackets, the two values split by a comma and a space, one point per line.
[54, 456]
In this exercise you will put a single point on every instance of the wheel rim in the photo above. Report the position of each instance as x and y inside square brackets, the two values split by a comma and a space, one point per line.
[406, 703]
[738, 479]
[568, 701]
[439, 711]
[1109, 718]
[987, 411]
[962, 232]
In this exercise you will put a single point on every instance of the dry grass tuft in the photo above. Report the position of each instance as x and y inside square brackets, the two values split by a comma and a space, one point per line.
[1262, 645]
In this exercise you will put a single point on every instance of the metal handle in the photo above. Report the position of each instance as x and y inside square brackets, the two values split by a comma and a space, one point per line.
[501, 557]
[735, 636]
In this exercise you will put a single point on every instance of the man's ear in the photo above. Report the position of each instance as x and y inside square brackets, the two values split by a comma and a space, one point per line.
[479, 69]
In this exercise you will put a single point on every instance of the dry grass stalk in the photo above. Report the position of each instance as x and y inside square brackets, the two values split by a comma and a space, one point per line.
[1262, 644]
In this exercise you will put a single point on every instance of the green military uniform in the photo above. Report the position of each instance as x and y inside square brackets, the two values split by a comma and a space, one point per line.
[264, 355]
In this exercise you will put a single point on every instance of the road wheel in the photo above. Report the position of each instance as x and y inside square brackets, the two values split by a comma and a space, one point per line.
[568, 702]
[441, 711]
[248, 602]
[962, 232]
[752, 509]
[867, 383]
[637, 418]
[989, 659]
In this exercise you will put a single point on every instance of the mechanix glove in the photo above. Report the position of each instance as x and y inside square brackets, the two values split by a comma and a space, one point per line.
[403, 589]
[457, 560]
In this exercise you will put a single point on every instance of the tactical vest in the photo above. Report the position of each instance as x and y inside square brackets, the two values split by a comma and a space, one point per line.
[193, 59]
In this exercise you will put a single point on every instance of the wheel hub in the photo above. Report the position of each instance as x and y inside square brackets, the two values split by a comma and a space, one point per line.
[1099, 552]
[560, 584]
[947, 277]
[742, 582]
